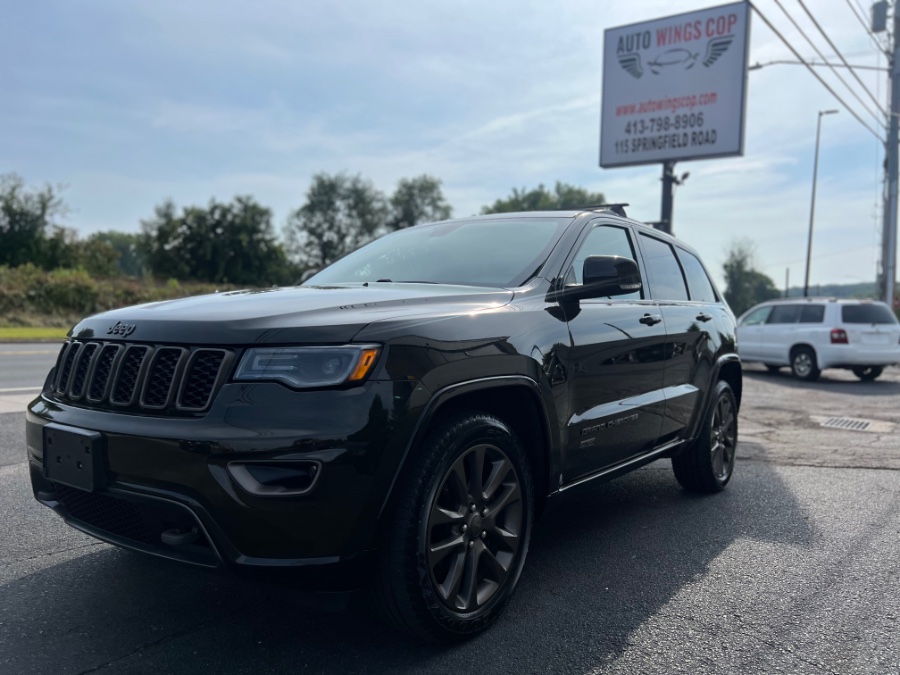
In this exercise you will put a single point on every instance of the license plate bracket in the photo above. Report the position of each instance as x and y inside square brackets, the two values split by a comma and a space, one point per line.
[73, 456]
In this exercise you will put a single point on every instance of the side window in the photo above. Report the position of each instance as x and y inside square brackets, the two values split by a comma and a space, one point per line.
[812, 314]
[698, 282]
[757, 316]
[603, 240]
[666, 279]
[785, 314]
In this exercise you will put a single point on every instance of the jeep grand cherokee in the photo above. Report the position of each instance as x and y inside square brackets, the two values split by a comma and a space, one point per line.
[399, 419]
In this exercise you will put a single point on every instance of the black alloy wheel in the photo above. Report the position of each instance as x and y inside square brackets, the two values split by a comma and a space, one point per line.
[456, 540]
[868, 373]
[723, 438]
[708, 463]
[473, 529]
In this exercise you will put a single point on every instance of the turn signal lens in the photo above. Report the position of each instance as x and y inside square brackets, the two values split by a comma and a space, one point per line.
[839, 336]
[366, 361]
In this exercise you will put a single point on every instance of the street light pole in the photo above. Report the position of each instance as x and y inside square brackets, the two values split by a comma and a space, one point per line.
[812, 205]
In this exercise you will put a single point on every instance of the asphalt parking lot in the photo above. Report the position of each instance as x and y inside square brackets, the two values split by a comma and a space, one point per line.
[792, 569]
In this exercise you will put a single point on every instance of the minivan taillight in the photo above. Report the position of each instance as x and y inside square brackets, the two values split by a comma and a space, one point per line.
[839, 336]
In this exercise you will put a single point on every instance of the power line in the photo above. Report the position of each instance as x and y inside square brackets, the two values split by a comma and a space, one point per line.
[833, 69]
[841, 56]
[815, 74]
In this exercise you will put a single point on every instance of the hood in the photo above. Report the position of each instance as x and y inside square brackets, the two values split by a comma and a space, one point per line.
[298, 315]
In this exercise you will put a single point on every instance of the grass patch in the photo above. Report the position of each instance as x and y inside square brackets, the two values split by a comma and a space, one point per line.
[27, 333]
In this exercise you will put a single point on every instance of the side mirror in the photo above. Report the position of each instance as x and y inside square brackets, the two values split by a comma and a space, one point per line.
[608, 275]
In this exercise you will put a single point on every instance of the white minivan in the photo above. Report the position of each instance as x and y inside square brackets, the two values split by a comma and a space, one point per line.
[811, 334]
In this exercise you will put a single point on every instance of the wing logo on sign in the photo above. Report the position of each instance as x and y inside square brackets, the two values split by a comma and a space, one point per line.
[631, 63]
[682, 58]
[715, 48]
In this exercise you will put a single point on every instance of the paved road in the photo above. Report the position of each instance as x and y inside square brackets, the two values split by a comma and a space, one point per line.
[23, 368]
[793, 568]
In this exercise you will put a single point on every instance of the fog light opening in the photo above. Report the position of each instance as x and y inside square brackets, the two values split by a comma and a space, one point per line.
[276, 478]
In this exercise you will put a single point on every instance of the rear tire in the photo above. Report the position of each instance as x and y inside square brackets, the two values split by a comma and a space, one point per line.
[457, 538]
[868, 373]
[708, 463]
[804, 365]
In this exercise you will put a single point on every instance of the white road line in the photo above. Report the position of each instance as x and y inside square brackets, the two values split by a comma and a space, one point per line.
[15, 389]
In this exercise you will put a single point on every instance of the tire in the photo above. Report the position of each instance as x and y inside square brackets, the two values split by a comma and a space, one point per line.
[456, 540]
[804, 365]
[772, 368]
[868, 373]
[708, 463]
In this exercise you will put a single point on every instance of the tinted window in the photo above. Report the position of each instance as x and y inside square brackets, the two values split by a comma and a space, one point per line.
[603, 240]
[812, 314]
[867, 313]
[698, 281]
[663, 270]
[502, 252]
[785, 314]
[757, 316]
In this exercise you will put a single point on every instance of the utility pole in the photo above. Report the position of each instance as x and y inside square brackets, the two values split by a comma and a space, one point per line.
[669, 181]
[812, 203]
[668, 196]
[889, 231]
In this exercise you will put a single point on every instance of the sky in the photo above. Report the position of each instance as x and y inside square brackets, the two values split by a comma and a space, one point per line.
[131, 103]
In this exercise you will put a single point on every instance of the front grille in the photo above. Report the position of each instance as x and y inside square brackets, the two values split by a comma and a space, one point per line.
[115, 516]
[156, 378]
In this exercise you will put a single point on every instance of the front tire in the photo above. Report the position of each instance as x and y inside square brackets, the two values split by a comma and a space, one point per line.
[868, 373]
[708, 463]
[804, 365]
[458, 536]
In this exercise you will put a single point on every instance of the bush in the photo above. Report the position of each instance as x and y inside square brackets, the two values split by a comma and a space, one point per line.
[31, 296]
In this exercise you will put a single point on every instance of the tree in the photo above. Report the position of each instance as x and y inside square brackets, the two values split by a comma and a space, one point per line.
[27, 217]
[124, 247]
[222, 243]
[418, 200]
[563, 196]
[340, 214]
[745, 286]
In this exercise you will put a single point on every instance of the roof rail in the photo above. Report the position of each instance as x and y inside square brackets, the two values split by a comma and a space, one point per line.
[618, 209]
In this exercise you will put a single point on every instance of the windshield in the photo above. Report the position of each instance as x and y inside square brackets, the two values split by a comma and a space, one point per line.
[503, 253]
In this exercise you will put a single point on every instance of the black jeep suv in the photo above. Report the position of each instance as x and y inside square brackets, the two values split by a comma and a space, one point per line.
[399, 419]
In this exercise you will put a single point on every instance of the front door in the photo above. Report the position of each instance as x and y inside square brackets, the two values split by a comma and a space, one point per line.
[616, 401]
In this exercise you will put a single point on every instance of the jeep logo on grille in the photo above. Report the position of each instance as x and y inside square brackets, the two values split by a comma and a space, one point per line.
[123, 329]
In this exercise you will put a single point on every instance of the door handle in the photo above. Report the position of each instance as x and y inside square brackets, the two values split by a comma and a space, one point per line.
[650, 319]
[703, 317]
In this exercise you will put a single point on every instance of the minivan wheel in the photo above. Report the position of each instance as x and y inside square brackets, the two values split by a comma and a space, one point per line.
[867, 373]
[804, 365]
[455, 545]
[708, 463]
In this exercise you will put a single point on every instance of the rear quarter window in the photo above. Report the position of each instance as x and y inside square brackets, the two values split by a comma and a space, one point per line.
[812, 314]
[867, 314]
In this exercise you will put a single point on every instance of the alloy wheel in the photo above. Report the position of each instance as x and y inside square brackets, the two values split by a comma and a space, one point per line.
[474, 528]
[723, 438]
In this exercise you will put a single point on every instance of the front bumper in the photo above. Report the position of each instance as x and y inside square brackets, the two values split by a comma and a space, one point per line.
[164, 475]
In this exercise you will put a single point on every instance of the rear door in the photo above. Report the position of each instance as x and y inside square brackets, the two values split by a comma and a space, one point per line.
[780, 332]
[615, 364]
[871, 325]
[691, 335]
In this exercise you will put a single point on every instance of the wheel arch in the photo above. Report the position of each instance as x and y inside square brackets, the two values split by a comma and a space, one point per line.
[801, 345]
[517, 401]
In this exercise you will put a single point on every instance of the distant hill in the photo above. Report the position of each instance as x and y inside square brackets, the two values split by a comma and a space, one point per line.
[866, 289]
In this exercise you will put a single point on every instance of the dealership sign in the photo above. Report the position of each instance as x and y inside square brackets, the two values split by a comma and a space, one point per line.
[673, 88]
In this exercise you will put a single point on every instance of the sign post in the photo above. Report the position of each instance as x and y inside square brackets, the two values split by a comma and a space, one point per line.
[674, 90]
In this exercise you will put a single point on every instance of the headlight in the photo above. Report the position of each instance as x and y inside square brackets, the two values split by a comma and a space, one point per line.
[304, 367]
